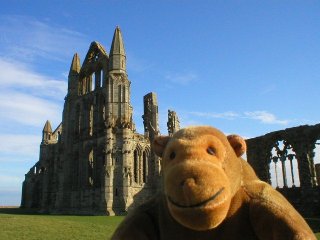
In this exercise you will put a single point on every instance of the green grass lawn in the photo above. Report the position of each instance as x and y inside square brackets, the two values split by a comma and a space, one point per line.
[19, 224]
[29, 226]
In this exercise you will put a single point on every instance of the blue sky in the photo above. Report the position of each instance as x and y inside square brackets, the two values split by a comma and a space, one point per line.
[246, 67]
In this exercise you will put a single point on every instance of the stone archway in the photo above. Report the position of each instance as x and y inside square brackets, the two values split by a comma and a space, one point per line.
[284, 170]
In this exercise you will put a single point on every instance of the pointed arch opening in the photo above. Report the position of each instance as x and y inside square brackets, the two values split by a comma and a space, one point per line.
[91, 120]
[135, 166]
[93, 81]
[101, 78]
[284, 170]
[144, 167]
[316, 161]
[90, 168]
[98, 78]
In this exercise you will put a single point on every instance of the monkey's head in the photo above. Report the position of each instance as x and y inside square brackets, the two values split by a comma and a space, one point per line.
[202, 172]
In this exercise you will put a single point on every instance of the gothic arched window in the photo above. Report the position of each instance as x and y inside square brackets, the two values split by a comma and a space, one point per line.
[135, 166]
[283, 166]
[90, 168]
[144, 167]
[101, 78]
[91, 120]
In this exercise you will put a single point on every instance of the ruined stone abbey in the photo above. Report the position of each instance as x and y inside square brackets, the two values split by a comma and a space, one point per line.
[95, 162]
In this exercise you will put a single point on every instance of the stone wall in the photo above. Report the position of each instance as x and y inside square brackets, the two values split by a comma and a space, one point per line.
[95, 162]
[318, 172]
[285, 159]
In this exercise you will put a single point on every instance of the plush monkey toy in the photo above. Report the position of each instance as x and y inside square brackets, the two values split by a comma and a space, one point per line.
[210, 192]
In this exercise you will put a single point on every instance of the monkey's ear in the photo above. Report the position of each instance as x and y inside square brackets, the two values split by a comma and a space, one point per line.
[159, 144]
[238, 144]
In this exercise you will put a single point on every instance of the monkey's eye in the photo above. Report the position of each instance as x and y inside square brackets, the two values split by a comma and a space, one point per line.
[211, 151]
[172, 155]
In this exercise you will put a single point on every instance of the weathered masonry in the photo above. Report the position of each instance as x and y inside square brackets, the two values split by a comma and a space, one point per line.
[285, 159]
[95, 162]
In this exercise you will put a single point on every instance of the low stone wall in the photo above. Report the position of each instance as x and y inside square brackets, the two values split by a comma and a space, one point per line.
[305, 200]
[285, 146]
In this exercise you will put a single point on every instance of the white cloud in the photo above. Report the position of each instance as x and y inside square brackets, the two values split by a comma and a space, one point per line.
[185, 122]
[18, 76]
[10, 183]
[265, 117]
[28, 98]
[261, 116]
[27, 38]
[27, 110]
[182, 78]
[25, 145]
[225, 115]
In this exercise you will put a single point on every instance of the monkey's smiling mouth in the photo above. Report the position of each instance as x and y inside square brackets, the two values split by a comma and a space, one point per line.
[200, 204]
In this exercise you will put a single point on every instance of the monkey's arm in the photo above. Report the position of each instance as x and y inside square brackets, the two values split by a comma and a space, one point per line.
[273, 217]
[136, 227]
[141, 223]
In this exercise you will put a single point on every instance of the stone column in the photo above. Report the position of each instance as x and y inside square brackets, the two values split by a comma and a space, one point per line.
[97, 79]
[290, 157]
[151, 126]
[317, 167]
[127, 167]
[275, 160]
[173, 123]
[303, 158]
[312, 165]
[284, 173]
[108, 173]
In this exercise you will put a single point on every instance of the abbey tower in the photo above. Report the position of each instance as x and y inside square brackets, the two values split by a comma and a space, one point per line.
[95, 162]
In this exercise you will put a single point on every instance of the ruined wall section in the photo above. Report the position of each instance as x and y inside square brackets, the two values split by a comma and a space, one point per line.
[302, 141]
[80, 174]
[95, 162]
[41, 182]
[317, 166]
[173, 123]
[151, 130]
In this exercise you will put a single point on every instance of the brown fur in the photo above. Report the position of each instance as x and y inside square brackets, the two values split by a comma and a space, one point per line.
[209, 192]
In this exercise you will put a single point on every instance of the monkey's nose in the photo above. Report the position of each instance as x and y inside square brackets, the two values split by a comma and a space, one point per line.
[188, 187]
[188, 183]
